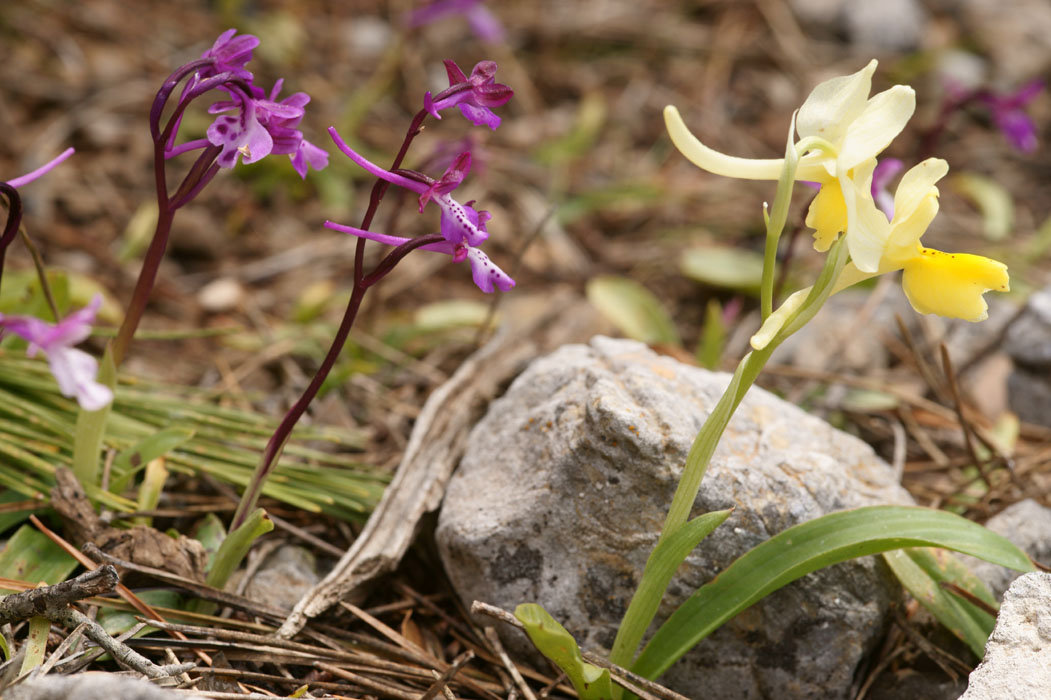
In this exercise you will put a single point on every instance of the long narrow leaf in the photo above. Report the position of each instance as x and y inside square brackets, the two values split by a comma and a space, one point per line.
[808, 547]
[921, 571]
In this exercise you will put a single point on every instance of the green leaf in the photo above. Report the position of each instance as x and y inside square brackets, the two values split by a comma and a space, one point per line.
[713, 336]
[921, 572]
[662, 564]
[32, 557]
[726, 268]
[210, 532]
[808, 547]
[36, 643]
[134, 459]
[633, 309]
[993, 201]
[558, 645]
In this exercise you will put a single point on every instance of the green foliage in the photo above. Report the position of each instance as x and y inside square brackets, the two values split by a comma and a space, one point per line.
[558, 645]
[808, 547]
[633, 309]
[31, 556]
[725, 268]
[922, 571]
[36, 422]
[993, 200]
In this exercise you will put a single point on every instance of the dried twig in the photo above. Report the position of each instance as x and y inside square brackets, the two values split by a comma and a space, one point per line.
[441, 683]
[36, 601]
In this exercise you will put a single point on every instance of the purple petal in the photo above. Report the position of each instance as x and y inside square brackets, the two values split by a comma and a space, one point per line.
[372, 168]
[1018, 129]
[483, 72]
[885, 171]
[485, 25]
[479, 116]
[42, 170]
[486, 274]
[310, 154]
[456, 75]
[492, 95]
[461, 223]
[75, 371]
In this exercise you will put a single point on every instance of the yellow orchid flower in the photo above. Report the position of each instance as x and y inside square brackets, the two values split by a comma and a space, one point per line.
[854, 128]
[947, 284]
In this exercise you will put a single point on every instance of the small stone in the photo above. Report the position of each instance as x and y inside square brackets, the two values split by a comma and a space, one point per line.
[1016, 657]
[888, 25]
[286, 575]
[564, 485]
[92, 685]
[222, 294]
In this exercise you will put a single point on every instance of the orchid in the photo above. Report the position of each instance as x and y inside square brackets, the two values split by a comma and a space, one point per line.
[843, 130]
[263, 126]
[481, 21]
[73, 369]
[947, 284]
[462, 226]
[1008, 112]
[474, 95]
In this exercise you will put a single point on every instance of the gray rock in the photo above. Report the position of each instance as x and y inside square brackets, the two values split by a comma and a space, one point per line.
[1016, 657]
[284, 577]
[1028, 525]
[889, 25]
[1028, 340]
[563, 489]
[92, 685]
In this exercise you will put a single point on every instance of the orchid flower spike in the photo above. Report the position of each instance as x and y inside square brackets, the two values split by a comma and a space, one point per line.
[463, 227]
[474, 95]
[851, 129]
[947, 284]
[73, 369]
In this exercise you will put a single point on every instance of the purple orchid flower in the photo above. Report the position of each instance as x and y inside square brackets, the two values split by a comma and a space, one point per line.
[482, 22]
[474, 95]
[73, 369]
[462, 226]
[263, 126]
[1008, 113]
[884, 172]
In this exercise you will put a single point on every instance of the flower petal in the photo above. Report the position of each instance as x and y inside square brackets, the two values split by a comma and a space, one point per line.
[834, 104]
[486, 274]
[952, 285]
[75, 371]
[883, 118]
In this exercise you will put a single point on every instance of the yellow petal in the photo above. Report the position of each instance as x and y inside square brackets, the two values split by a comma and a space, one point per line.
[952, 284]
[883, 118]
[834, 104]
[827, 215]
[731, 166]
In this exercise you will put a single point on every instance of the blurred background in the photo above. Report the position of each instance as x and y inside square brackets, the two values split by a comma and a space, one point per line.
[581, 179]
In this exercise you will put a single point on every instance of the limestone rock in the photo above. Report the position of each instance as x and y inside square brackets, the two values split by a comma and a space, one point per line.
[92, 685]
[1016, 658]
[563, 489]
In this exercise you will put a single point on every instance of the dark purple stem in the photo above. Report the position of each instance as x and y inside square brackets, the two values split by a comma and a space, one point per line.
[14, 220]
[277, 441]
[201, 173]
